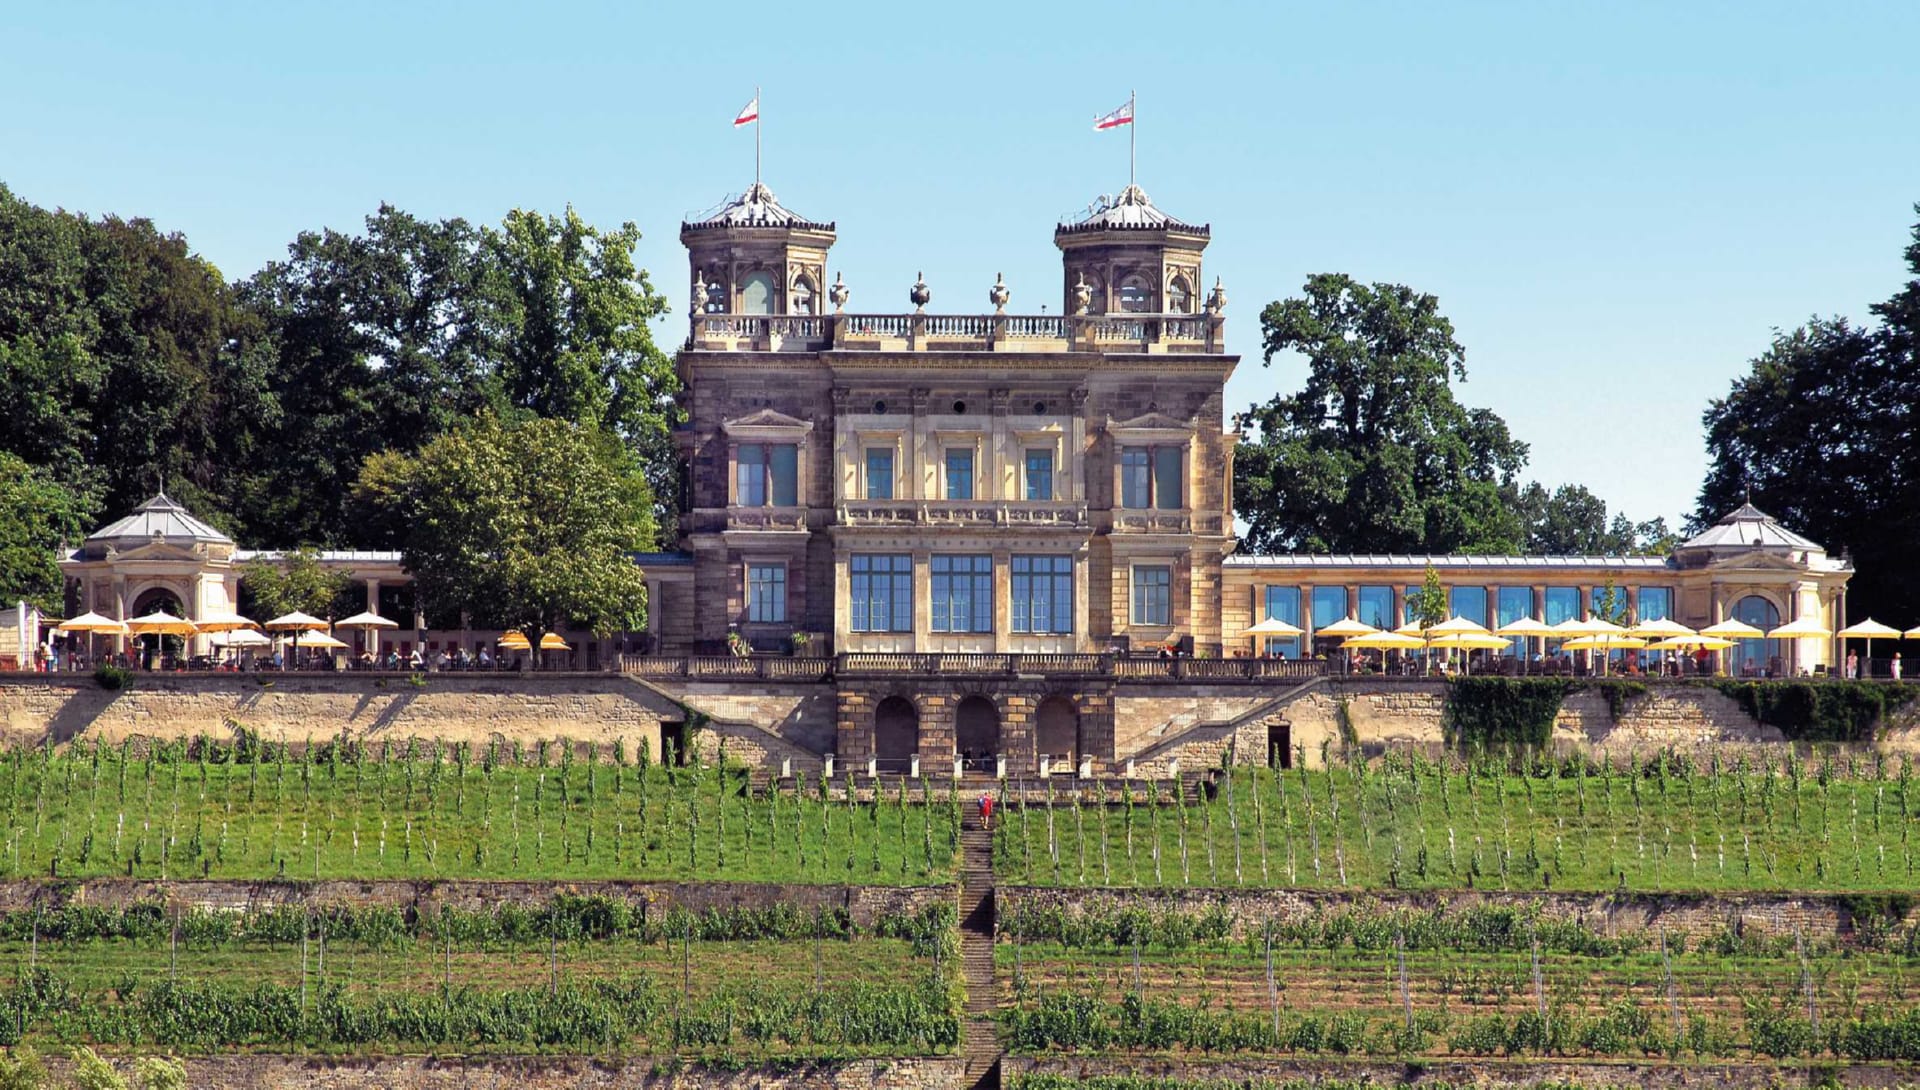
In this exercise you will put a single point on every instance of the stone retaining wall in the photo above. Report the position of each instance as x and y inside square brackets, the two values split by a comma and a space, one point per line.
[864, 904]
[476, 708]
[1698, 917]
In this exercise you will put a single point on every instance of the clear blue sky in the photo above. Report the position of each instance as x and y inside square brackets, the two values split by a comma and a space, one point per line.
[1614, 203]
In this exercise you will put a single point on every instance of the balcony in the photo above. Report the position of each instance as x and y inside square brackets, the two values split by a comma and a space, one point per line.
[1130, 520]
[1128, 333]
[962, 514]
[779, 519]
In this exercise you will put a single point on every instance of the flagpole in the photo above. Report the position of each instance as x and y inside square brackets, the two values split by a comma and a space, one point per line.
[756, 135]
[1133, 126]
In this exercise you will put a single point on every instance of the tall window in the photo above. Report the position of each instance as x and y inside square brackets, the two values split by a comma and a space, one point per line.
[767, 470]
[1562, 604]
[756, 293]
[1511, 604]
[1152, 477]
[1039, 474]
[1283, 603]
[750, 476]
[1654, 603]
[882, 592]
[1042, 594]
[1135, 296]
[962, 593]
[1167, 477]
[1179, 297]
[879, 473]
[1375, 606]
[960, 473]
[1468, 602]
[1152, 596]
[767, 593]
[1410, 605]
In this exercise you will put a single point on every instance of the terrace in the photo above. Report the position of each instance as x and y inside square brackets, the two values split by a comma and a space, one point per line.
[939, 664]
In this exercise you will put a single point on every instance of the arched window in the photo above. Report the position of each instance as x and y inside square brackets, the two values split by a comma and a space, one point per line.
[1179, 296]
[1135, 296]
[716, 298]
[802, 298]
[756, 293]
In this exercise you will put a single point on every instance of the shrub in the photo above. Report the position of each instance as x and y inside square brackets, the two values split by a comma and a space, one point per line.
[109, 676]
[1494, 713]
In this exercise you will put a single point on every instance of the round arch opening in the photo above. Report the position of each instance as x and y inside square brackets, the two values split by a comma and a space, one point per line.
[896, 734]
[1753, 658]
[1057, 731]
[155, 652]
[976, 732]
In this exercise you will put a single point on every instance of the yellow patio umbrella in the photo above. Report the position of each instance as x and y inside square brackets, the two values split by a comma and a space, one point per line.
[1458, 626]
[1806, 628]
[1911, 634]
[1346, 626]
[1384, 641]
[1411, 628]
[366, 620]
[1525, 626]
[1471, 641]
[551, 641]
[1606, 642]
[1731, 629]
[1869, 630]
[1692, 643]
[320, 640]
[514, 641]
[1273, 626]
[224, 622]
[161, 623]
[296, 623]
[1660, 628]
[93, 623]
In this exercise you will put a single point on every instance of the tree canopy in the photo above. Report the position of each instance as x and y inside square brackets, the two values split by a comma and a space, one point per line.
[36, 514]
[525, 523]
[1375, 454]
[1820, 433]
[130, 364]
[297, 583]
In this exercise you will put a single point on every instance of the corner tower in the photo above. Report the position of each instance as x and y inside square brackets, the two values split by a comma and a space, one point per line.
[1126, 256]
[756, 257]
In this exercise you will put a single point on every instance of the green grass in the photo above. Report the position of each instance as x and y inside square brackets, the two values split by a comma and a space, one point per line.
[1789, 824]
[88, 813]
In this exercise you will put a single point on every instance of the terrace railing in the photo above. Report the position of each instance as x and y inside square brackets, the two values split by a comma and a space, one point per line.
[944, 664]
[957, 332]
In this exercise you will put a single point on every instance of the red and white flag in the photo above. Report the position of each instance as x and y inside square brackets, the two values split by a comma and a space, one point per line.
[750, 114]
[1119, 117]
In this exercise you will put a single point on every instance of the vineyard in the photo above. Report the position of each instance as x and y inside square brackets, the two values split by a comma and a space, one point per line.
[1790, 821]
[575, 975]
[1484, 982]
[423, 811]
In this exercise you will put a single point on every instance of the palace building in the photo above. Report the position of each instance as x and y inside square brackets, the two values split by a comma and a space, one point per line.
[974, 533]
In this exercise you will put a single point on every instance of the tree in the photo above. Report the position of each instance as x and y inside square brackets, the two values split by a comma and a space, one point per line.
[37, 513]
[524, 523]
[1430, 606]
[566, 316]
[297, 583]
[1374, 454]
[1821, 432]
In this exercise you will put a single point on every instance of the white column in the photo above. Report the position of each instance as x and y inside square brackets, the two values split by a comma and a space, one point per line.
[373, 606]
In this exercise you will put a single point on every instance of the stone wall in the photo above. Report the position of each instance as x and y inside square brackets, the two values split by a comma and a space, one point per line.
[1812, 915]
[864, 904]
[476, 708]
[1683, 717]
[554, 1073]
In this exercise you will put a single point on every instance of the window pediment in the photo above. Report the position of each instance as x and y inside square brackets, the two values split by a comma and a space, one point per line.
[1150, 427]
[767, 424]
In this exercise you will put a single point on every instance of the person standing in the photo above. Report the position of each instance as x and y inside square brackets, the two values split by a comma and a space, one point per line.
[1896, 666]
[1853, 666]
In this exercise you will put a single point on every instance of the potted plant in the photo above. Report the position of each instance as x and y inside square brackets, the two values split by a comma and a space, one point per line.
[737, 644]
[801, 641]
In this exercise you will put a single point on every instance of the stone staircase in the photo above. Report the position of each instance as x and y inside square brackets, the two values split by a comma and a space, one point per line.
[979, 1038]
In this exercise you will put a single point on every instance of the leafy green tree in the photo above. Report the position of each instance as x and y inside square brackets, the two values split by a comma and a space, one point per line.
[566, 315]
[525, 523]
[1430, 606]
[1821, 433]
[36, 514]
[1374, 454]
[1610, 605]
[297, 582]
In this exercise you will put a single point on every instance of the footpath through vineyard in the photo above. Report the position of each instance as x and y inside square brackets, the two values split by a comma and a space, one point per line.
[979, 1039]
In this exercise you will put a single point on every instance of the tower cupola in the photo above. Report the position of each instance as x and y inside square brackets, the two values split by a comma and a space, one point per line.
[1132, 258]
[754, 256]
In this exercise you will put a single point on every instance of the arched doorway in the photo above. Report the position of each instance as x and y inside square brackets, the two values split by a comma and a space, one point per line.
[153, 652]
[1750, 658]
[1057, 731]
[896, 734]
[976, 732]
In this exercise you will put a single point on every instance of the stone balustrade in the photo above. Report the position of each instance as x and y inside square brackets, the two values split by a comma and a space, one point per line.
[1148, 333]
